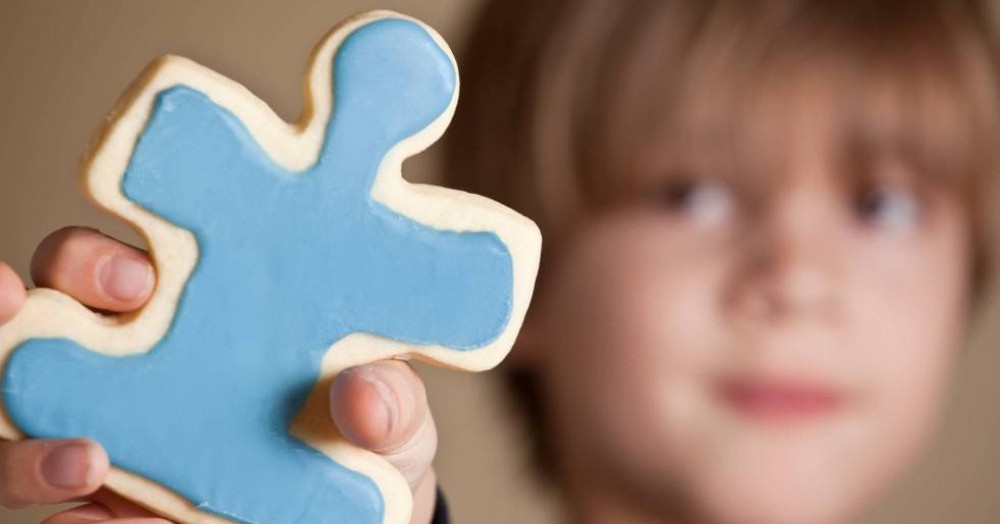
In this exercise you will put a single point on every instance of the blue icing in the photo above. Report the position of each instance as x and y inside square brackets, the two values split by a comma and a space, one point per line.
[289, 263]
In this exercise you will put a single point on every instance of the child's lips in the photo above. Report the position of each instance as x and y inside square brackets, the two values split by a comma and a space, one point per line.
[779, 401]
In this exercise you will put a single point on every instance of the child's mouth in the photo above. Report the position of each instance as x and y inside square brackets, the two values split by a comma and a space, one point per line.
[778, 401]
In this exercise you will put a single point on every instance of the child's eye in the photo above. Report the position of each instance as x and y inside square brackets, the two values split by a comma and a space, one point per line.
[888, 208]
[706, 202]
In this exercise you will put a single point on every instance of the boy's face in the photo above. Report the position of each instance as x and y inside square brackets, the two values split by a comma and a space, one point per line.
[768, 358]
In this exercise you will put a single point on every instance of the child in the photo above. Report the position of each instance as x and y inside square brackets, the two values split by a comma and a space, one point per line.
[766, 228]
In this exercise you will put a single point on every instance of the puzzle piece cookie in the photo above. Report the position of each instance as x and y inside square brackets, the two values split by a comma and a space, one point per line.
[285, 253]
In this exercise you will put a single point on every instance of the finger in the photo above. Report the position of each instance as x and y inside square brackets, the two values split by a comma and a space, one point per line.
[107, 507]
[49, 471]
[12, 293]
[383, 407]
[71, 519]
[86, 513]
[75, 517]
[96, 270]
[92, 513]
[120, 506]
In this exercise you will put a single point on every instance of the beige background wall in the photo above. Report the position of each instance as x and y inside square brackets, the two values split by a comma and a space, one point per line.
[63, 65]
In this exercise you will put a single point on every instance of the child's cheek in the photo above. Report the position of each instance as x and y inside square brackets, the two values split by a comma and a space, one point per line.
[636, 306]
[907, 301]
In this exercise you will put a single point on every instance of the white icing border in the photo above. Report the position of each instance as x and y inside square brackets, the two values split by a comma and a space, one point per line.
[296, 146]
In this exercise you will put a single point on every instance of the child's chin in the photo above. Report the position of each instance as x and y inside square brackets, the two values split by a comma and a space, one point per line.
[778, 492]
[761, 504]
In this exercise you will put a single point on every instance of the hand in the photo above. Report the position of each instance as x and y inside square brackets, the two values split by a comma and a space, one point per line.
[381, 406]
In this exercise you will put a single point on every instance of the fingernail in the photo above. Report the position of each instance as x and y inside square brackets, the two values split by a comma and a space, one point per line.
[68, 467]
[125, 278]
[386, 413]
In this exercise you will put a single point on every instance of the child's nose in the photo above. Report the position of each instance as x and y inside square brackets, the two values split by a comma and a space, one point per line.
[789, 264]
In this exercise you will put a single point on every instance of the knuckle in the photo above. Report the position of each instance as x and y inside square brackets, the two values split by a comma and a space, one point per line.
[414, 457]
[14, 491]
[419, 443]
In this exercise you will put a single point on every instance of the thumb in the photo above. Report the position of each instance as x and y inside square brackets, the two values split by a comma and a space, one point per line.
[383, 407]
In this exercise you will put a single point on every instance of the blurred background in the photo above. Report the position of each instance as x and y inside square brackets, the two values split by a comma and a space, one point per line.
[63, 66]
